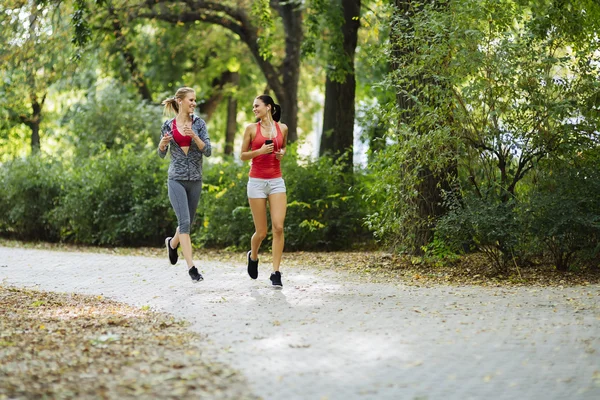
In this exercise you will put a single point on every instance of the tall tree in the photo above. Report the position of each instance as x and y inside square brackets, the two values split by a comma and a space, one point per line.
[487, 89]
[338, 120]
[124, 48]
[231, 128]
[34, 54]
[282, 75]
[421, 89]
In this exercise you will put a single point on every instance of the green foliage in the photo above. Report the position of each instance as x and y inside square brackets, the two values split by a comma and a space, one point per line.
[563, 212]
[326, 207]
[559, 217]
[31, 189]
[224, 218]
[81, 30]
[492, 227]
[394, 193]
[35, 55]
[522, 94]
[117, 198]
[325, 38]
[112, 119]
[490, 89]
[439, 253]
[261, 11]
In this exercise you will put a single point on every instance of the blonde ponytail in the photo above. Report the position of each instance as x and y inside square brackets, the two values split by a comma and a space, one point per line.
[172, 103]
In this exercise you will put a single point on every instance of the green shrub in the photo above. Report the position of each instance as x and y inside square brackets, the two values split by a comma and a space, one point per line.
[483, 224]
[563, 212]
[120, 198]
[326, 210]
[224, 218]
[117, 198]
[30, 189]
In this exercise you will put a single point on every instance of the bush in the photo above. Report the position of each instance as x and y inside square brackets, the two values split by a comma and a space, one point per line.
[326, 210]
[563, 212]
[120, 198]
[483, 224]
[117, 198]
[224, 218]
[31, 189]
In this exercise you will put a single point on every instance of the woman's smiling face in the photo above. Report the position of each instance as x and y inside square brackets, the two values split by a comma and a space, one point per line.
[260, 109]
[188, 104]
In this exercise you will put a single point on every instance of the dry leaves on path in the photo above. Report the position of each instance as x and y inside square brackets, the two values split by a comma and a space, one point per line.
[69, 346]
[378, 266]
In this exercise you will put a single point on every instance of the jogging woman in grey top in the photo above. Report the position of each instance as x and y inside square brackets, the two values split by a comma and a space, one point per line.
[187, 138]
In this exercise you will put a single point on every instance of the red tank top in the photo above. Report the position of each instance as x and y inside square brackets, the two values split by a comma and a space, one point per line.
[266, 166]
[181, 140]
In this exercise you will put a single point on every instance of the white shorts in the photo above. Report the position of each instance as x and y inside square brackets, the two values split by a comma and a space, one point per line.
[262, 188]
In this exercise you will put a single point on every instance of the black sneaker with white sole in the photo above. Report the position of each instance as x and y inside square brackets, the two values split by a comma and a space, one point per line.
[172, 252]
[195, 275]
[252, 266]
[276, 279]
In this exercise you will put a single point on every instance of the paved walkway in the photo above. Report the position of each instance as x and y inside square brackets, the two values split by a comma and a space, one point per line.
[328, 336]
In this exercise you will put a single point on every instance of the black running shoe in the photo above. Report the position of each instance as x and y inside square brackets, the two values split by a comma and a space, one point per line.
[172, 252]
[276, 279]
[195, 275]
[252, 266]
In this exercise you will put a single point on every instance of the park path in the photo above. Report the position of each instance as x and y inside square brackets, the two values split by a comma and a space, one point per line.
[327, 335]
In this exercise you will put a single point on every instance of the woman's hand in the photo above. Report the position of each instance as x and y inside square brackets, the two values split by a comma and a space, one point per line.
[188, 131]
[267, 148]
[164, 142]
[279, 155]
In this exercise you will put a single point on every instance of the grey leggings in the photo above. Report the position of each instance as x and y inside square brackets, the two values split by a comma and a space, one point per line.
[184, 197]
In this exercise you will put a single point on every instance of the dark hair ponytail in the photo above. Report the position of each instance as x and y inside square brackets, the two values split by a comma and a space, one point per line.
[275, 108]
[276, 112]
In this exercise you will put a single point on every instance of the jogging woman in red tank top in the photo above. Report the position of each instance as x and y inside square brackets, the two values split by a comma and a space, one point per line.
[264, 143]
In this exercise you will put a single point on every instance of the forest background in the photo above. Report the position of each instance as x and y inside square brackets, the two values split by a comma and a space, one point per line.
[479, 119]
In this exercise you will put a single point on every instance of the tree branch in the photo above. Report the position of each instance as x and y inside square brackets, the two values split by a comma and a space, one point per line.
[121, 42]
[235, 21]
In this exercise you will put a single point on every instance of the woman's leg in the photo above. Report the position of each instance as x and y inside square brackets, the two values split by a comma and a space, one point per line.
[179, 200]
[175, 239]
[278, 207]
[193, 191]
[186, 248]
[259, 216]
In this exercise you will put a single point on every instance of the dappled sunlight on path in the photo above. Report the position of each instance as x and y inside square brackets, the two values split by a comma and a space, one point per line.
[329, 335]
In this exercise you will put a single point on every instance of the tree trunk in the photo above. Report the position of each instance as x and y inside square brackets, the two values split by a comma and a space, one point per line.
[231, 125]
[337, 137]
[291, 13]
[209, 106]
[35, 121]
[35, 137]
[428, 202]
[231, 119]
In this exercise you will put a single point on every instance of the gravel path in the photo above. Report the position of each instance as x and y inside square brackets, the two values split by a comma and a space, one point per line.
[327, 335]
